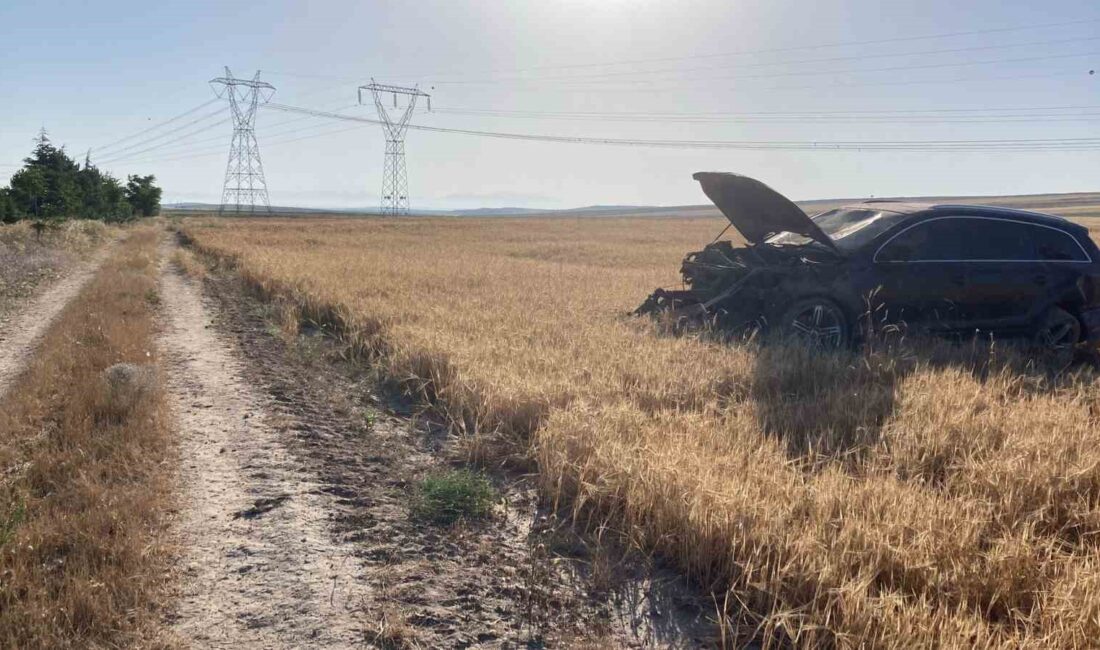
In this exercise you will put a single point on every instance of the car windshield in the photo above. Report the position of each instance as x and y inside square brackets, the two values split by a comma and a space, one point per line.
[848, 228]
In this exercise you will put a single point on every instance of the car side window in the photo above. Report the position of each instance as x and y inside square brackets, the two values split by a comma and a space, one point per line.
[994, 240]
[1053, 245]
[928, 241]
[980, 239]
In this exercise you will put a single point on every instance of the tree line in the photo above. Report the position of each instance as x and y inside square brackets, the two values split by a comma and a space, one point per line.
[52, 186]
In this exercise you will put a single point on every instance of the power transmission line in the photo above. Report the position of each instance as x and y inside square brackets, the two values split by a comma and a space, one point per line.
[774, 118]
[440, 77]
[880, 116]
[581, 82]
[127, 151]
[845, 145]
[188, 146]
[830, 85]
[365, 122]
[794, 48]
[902, 111]
[764, 64]
[267, 144]
[157, 126]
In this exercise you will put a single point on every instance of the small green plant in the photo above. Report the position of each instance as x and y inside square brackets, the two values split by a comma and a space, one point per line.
[453, 495]
[11, 520]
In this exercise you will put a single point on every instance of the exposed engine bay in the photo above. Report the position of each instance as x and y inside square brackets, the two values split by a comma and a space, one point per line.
[740, 288]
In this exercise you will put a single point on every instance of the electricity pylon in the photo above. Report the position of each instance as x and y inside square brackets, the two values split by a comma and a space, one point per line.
[245, 187]
[395, 181]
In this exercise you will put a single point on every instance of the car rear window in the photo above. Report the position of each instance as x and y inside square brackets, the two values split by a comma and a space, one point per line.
[992, 240]
[1057, 246]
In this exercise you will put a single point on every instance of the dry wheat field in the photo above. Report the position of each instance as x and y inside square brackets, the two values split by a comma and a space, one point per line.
[922, 496]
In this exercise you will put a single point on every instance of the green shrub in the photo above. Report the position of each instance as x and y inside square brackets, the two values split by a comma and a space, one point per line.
[451, 496]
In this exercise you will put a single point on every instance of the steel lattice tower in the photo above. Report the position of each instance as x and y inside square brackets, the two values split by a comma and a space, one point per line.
[395, 181]
[245, 187]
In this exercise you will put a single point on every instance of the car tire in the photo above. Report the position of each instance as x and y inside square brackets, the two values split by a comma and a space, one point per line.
[1058, 331]
[816, 322]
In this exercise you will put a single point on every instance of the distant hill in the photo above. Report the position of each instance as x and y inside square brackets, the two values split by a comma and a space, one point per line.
[213, 207]
[1078, 205]
[468, 212]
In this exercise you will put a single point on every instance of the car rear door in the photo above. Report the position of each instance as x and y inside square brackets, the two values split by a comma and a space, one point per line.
[999, 276]
[1063, 259]
[916, 276]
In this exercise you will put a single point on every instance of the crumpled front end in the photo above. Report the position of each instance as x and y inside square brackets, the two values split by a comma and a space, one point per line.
[735, 289]
[711, 278]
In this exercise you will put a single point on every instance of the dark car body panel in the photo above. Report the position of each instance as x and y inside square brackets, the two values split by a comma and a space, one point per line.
[1090, 318]
[1005, 296]
[995, 269]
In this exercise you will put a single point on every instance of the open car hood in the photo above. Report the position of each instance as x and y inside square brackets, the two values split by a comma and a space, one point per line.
[756, 210]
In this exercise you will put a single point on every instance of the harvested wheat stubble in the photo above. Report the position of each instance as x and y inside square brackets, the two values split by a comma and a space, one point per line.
[935, 497]
[85, 474]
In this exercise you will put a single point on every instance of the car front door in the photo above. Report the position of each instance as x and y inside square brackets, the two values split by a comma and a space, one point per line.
[915, 279]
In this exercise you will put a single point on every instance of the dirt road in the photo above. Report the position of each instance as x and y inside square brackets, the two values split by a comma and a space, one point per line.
[20, 336]
[259, 569]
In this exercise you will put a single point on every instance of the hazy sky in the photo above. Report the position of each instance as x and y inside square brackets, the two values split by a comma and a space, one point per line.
[95, 72]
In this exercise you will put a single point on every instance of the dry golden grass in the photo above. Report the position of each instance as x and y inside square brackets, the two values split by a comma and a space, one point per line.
[77, 235]
[186, 261]
[933, 498]
[27, 259]
[84, 462]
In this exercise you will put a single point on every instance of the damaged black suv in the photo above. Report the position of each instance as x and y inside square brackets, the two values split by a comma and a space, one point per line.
[945, 269]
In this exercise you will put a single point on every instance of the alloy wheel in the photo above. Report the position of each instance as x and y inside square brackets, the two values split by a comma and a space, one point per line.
[819, 325]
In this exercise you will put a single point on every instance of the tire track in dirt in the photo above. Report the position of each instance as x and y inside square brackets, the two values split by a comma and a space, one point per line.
[259, 567]
[521, 579]
[19, 338]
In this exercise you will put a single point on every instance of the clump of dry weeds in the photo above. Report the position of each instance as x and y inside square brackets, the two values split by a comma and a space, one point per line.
[929, 497]
[185, 260]
[83, 481]
[77, 235]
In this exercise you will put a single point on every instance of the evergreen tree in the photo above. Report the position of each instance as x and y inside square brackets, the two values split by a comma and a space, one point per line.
[143, 195]
[51, 185]
[28, 190]
[8, 212]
